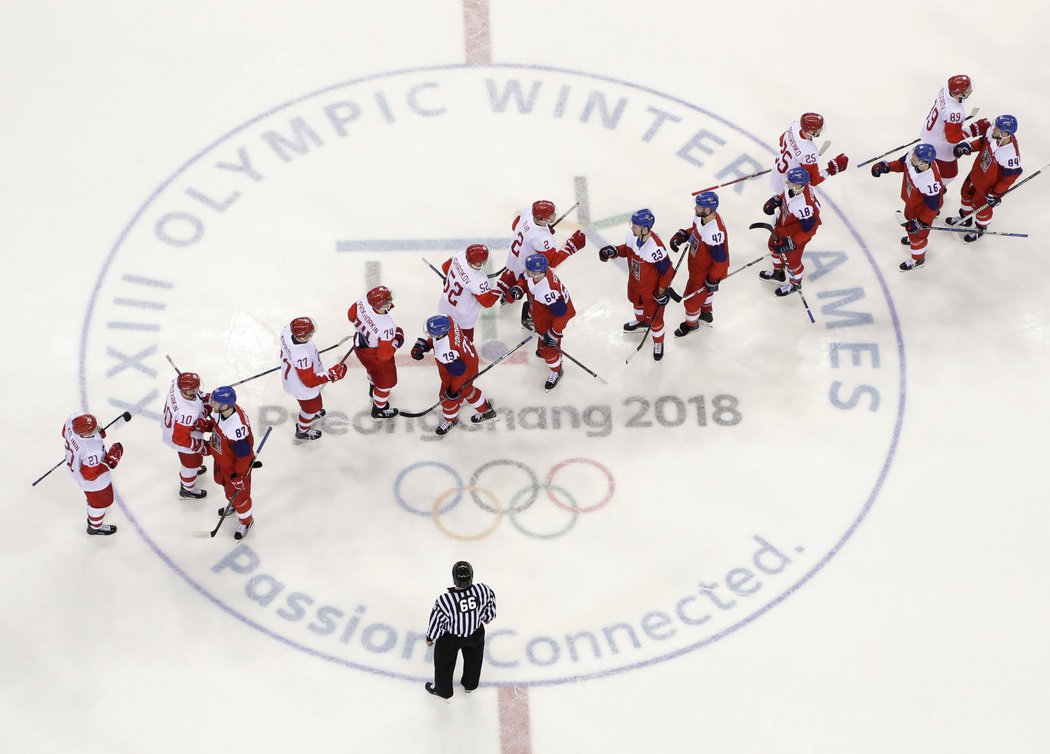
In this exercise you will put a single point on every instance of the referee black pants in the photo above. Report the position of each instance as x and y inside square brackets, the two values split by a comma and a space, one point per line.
[446, 652]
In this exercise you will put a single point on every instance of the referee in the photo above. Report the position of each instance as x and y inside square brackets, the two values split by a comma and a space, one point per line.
[456, 623]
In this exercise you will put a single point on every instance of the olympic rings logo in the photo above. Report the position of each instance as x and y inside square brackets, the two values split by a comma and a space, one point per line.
[483, 496]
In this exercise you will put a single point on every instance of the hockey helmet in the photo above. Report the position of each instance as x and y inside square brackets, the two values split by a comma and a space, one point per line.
[1007, 124]
[536, 263]
[462, 574]
[543, 211]
[925, 153]
[302, 328]
[643, 218]
[959, 85]
[224, 396]
[379, 296]
[438, 326]
[708, 199]
[477, 254]
[188, 382]
[85, 425]
[798, 176]
[811, 122]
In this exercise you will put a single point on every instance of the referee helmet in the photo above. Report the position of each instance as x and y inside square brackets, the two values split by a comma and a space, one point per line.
[462, 575]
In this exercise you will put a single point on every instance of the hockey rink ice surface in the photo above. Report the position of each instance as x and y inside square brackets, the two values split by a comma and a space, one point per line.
[785, 537]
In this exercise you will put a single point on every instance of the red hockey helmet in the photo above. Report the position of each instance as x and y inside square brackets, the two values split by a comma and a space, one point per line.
[811, 122]
[543, 211]
[477, 254]
[378, 296]
[959, 85]
[85, 425]
[302, 327]
[188, 382]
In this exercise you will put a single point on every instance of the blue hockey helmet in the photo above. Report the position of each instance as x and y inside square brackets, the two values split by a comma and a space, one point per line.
[799, 176]
[438, 326]
[536, 263]
[926, 153]
[644, 218]
[1007, 124]
[224, 396]
[708, 199]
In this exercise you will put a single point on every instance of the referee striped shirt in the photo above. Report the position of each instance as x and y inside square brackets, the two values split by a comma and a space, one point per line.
[461, 612]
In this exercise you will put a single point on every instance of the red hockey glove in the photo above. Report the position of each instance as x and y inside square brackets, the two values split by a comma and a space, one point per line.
[116, 450]
[576, 242]
[204, 424]
[420, 348]
[197, 445]
[980, 127]
[337, 372]
[880, 168]
[838, 164]
[771, 205]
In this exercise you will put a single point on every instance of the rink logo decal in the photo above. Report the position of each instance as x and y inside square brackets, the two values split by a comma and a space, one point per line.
[502, 487]
[721, 480]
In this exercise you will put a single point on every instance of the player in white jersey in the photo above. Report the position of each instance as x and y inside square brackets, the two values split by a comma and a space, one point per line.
[944, 128]
[467, 288]
[378, 338]
[797, 150]
[303, 374]
[88, 464]
[185, 422]
[533, 234]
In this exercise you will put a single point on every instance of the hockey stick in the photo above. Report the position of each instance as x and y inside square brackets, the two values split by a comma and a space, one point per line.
[738, 269]
[913, 141]
[582, 366]
[126, 416]
[1015, 187]
[278, 367]
[798, 287]
[413, 415]
[964, 229]
[224, 512]
[435, 269]
[659, 309]
[822, 150]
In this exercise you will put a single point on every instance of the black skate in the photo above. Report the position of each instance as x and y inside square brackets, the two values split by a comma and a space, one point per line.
[962, 221]
[912, 264]
[485, 416]
[633, 326]
[445, 427]
[103, 531]
[310, 434]
[552, 380]
[658, 351]
[383, 413]
[973, 235]
[786, 289]
[684, 329]
[773, 276]
[242, 530]
[192, 494]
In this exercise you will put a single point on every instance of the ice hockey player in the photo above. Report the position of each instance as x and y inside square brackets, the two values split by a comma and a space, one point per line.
[923, 195]
[533, 234]
[185, 422]
[231, 446]
[457, 364]
[797, 150]
[378, 338]
[997, 166]
[304, 375]
[944, 127]
[467, 288]
[649, 274]
[88, 463]
[551, 308]
[708, 247]
[796, 225]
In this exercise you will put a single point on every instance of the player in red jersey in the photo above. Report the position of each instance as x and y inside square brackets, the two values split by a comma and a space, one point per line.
[551, 308]
[796, 225]
[923, 195]
[997, 166]
[457, 363]
[649, 273]
[231, 448]
[708, 261]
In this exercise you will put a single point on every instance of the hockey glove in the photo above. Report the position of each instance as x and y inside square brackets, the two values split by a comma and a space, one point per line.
[449, 395]
[399, 338]
[550, 339]
[880, 168]
[197, 445]
[784, 245]
[992, 199]
[576, 242]
[711, 285]
[420, 348]
[337, 372]
[606, 253]
[661, 298]
[116, 450]
[980, 127]
[915, 226]
[770, 207]
[962, 149]
[204, 424]
[838, 164]
[237, 482]
[679, 238]
[514, 293]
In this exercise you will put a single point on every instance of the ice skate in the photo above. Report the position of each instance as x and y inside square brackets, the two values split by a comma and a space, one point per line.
[192, 494]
